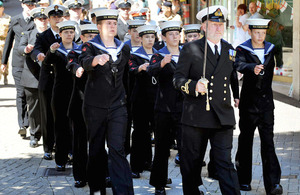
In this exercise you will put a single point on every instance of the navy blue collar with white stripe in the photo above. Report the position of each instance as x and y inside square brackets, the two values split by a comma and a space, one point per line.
[97, 42]
[247, 45]
[142, 53]
[64, 51]
[164, 51]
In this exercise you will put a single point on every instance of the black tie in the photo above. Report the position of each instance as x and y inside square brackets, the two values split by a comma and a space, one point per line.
[57, 36]
[217, 53]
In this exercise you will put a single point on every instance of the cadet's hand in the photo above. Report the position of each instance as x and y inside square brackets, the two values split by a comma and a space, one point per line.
[236, 102]
[28, 48]
[143, 67]
[41, 57]
[258, 68]
[167, 59]
[3, 67]
[79, 72]
[54, 46]
[100, 59]
[200, 87]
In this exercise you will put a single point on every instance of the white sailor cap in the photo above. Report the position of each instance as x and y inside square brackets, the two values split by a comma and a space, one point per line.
[135, 23]
[38, 12]
[66, 25]
[170, 26]
[73, 4]
[55, 10]
[124, 3]
[92, 11]
[192, 28]
[89, 28]
[43, 1]
[139, 14]
[146, 29]
[258, 23]
[106, 14]
[29, 2]
[217, 13]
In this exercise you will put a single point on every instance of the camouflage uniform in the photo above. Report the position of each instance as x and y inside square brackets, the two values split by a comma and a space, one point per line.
[4, 23]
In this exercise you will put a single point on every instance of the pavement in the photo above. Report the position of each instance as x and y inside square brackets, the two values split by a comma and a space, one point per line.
[23, 171]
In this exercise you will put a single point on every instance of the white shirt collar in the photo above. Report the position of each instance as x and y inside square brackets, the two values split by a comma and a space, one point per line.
[212, 46]
[54, 33]
[25, 16]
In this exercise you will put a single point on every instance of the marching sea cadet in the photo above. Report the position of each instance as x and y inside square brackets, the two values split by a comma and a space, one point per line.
[207, 111]
[88, 32]
[135, 41]
[46, 79]
[192, 32]
[4, 21]
[105, 59]
[142, 100]
[62, 90]
[168, 104]
[255, 59]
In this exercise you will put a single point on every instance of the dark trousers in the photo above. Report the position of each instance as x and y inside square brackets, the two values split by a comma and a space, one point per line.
[20, 98]
[141, 149]
[79, 143]
[62, 124]
[165, 124]
[194, 142]
[271, 168]
[110, 124]
[34, 117]
[47, 123]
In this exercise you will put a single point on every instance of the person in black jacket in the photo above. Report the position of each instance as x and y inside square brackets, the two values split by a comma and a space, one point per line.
[30, 74]
[255, 59]
[46, 78]
[168, 104]
[105, 59]
[142, 99]
[62, 89]
[88, 32]
[17, 26]
[207, 111]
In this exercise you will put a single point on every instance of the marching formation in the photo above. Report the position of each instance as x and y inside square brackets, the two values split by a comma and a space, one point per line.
[98, 90]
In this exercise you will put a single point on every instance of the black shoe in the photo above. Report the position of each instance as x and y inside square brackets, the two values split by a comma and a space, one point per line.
[135, 175]
[33, 143]
[160, 191]
[277, 189]
[79, 184]
[48, 156]
[60, 167]
[245, 187]
[22, 132]
[177, 159]
[169, 181]
[108, 182]
[203, 164]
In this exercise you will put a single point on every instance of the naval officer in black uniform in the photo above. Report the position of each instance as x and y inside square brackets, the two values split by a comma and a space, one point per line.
[46, 79]
[105, 60]
[18, 25]
[255, 59]
[207, 112]
[30, 74]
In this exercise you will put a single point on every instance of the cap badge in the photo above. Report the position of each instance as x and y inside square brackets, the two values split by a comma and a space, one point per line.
[56, 8]
[218, 12]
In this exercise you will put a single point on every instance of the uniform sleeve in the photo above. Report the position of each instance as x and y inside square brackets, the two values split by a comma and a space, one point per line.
[133, 65]
[154, 67]
[241, 64]
[37, 48]
[234, 83]
[181, 78]
[87, 56]
[23, 43]
[51, 58]
[8, 41]
[73, 63]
